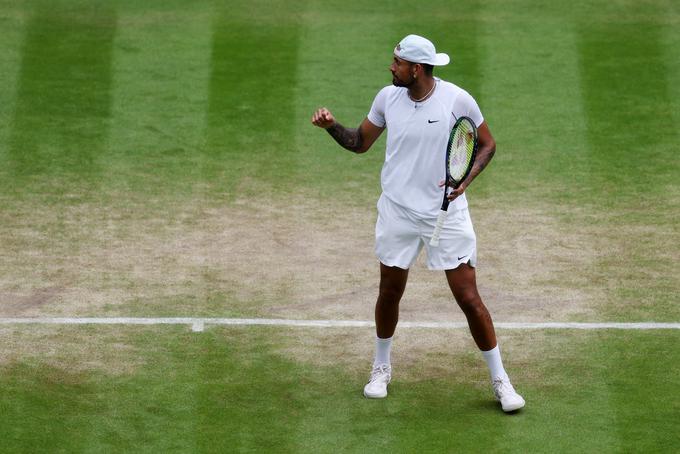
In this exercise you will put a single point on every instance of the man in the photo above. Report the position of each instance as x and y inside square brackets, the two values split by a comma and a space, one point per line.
[419, 110]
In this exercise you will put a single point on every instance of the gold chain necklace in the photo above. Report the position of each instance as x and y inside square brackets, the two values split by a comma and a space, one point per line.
[426, 94]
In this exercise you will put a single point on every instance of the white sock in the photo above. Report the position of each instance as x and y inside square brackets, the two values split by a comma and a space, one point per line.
[493, 360]
[382, 351]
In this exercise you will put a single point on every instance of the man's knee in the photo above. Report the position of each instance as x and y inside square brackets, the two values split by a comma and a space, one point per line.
[390, 294]
[392, 284]
[470, 302]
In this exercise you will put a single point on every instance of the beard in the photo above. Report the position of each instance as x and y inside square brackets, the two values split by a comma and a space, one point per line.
[397, 82]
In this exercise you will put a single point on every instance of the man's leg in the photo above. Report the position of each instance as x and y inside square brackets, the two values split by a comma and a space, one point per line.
[392, 285]
[463, 284]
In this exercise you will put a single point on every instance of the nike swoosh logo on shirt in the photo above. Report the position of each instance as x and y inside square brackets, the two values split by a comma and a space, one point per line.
[433, 121]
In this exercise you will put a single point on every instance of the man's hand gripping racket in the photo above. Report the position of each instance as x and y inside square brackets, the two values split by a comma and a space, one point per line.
[460, 156]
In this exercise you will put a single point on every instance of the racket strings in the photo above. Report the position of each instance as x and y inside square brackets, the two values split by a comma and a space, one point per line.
[462, 147]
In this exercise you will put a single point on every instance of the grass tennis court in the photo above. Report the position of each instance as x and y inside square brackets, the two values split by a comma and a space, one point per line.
[157, 160]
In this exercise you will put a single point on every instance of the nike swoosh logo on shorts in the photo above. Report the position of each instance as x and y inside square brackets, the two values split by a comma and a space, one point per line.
[461, 258]
[433, 121]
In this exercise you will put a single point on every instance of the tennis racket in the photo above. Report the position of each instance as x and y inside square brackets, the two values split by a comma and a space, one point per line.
[460, 155]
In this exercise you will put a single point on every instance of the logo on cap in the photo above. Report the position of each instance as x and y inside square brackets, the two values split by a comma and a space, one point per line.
[399, 47]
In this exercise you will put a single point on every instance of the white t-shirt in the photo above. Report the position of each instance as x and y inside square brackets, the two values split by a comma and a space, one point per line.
[417, 135]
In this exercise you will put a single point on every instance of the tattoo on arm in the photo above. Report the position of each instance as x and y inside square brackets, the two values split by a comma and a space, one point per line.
[348, 138]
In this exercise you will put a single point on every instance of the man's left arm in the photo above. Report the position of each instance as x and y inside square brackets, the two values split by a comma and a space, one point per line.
[486, 148]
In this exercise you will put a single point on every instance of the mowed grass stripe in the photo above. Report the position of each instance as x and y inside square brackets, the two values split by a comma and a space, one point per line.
[64, 100]
[10, 63]
[533, 102]
[629, 110]
[251, 106]
[160, 90]
[337, 71]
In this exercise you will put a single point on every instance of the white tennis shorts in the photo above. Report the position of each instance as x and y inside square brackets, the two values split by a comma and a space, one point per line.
[400, 235]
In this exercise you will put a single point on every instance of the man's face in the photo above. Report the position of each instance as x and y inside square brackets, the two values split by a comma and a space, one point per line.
[402, 72]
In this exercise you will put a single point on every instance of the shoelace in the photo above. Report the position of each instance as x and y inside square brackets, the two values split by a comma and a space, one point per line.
[378, 371]
[501, 387]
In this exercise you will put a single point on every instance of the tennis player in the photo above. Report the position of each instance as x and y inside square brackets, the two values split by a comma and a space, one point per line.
[419, 110]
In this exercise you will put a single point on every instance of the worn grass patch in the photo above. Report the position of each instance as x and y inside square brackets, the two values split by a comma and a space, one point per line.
[295, 259]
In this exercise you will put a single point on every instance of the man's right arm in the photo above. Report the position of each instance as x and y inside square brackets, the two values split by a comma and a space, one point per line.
[357, 140]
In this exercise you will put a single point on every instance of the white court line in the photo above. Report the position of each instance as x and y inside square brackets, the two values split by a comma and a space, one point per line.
[199, 324]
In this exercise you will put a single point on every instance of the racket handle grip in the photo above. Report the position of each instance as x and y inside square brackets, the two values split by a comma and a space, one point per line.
[434, 242]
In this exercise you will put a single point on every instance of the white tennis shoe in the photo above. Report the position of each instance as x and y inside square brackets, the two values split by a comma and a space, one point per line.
[506, 395]
[377, 385]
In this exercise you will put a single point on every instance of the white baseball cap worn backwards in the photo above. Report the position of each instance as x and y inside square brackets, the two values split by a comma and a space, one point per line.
[417, 49]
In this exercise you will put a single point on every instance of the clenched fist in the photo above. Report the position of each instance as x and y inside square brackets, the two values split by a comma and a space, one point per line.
[323, 118]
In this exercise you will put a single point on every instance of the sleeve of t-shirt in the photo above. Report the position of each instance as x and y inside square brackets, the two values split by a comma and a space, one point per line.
[377, 113]
[466, 105]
